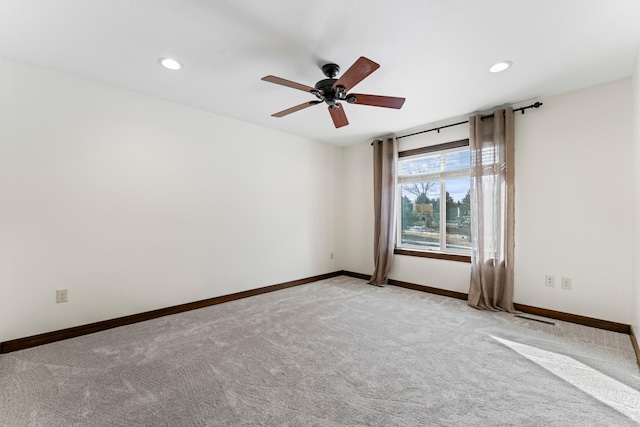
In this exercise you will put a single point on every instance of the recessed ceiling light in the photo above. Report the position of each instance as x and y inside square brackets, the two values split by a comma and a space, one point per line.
[500, 66]
[170, 63]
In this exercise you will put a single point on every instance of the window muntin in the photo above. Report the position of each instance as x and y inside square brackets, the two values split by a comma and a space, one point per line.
[424, 180]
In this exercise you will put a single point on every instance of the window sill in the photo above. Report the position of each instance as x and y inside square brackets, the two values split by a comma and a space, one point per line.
[436, 255]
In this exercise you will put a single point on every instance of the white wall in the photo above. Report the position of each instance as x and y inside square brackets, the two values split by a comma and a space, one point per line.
[636, 198]
[357, 237]
[134, 203]
[573, 202]
[573, 206]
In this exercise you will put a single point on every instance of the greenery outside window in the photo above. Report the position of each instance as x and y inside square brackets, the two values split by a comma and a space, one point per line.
[434, 199]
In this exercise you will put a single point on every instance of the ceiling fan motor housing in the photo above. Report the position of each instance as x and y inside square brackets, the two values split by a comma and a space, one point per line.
[326, 85]
[328, 93]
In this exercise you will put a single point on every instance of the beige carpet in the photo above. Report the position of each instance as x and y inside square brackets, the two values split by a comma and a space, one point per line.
[330, 353]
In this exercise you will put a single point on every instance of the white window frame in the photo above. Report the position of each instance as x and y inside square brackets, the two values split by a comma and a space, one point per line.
[442, 175]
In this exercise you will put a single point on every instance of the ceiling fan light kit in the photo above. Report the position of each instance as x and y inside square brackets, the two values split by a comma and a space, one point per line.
[332, 90]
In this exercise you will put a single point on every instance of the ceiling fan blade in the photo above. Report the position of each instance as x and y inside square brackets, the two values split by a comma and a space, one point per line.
[296, 108]
[338, 115]
[356, 73]
[289, 83]
[377, 101]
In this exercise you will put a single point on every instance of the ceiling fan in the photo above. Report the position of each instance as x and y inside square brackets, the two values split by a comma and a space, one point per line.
[332, 90]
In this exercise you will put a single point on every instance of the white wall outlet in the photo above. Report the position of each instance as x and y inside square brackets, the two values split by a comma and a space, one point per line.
[62, 295]
[565, 283]
[549, 281]
[331, 255]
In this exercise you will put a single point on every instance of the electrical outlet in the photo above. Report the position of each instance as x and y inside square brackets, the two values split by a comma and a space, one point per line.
[549, 281]
[565, 283]
[62, 295]
[331, 255]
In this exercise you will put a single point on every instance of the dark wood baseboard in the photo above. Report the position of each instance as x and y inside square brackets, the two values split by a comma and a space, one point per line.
[422, 288]
[408, 285]
[574, 318]
[63, 334]
[634, 341]
[356, 275]
[429, 289]
[552, 314]
[49, 337]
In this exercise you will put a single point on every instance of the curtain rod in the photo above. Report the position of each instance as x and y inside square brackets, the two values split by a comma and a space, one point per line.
[535, 105]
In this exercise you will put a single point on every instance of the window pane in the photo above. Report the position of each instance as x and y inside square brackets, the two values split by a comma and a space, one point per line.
[419, 166]
[458, 213]
[457, 160]
[421, 213]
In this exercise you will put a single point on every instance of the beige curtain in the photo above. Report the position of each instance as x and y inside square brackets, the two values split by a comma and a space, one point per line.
[491, 144]
[385, 153]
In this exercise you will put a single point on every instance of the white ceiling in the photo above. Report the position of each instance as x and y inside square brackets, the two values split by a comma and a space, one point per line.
[434, 53]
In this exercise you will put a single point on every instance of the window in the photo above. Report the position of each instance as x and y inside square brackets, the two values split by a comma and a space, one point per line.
[434, 199]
